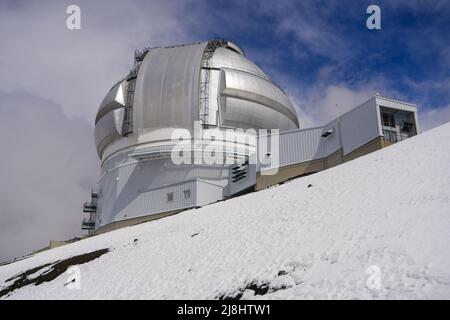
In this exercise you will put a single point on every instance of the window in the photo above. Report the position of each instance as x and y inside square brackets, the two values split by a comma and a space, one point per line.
[186, 194]
[406, 127]
[403, 136]
[390, 136]
[388, 119]
[170, 197]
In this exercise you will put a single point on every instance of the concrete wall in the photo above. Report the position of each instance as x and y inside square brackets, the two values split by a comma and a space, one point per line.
[134, 221]
[374, 145]
[289, 172]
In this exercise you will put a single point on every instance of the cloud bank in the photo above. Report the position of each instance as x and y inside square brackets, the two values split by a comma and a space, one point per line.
[48, 164]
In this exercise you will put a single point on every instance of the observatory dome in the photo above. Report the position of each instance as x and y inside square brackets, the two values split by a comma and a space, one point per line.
[172, 87]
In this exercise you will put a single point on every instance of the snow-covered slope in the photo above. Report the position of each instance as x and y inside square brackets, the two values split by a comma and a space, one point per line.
[322, 236]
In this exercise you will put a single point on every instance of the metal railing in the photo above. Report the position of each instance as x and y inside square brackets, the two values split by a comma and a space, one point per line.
[88, 224]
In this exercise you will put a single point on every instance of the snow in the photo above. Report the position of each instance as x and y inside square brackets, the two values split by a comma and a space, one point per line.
[388, 211]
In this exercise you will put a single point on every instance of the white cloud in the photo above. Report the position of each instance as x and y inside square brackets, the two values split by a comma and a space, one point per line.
[333, 100]
[435, 117]
[321, 104]
[318, 106]
[48, 165]
[75, 68]
[51, 82]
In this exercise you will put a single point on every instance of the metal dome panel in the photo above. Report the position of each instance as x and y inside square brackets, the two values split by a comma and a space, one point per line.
[108, 129]
[226, 58]
[248, 87]
[113, 100]
[167, 88]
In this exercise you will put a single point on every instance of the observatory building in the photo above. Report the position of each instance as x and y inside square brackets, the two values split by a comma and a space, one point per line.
[195, 124]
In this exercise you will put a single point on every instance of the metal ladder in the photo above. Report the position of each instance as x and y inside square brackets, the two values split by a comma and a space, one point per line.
[127, 127]
[205, 79]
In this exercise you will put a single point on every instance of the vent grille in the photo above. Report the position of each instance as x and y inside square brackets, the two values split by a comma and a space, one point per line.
[239, 172]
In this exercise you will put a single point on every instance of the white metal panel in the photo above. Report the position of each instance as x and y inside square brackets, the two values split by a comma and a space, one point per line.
[155, 201]
[131, 203]
[331, 143]
[359, 126]
[207, 192]
[299, 146]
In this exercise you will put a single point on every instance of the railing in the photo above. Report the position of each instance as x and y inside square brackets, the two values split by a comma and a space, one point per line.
[87, 224]
[89, 206]
[95, 193]
[394, 136]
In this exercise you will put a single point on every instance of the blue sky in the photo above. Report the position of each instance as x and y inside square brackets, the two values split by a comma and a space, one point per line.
[310, 44]
[52, 80]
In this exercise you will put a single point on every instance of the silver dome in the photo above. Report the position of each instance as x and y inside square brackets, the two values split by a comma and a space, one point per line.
[170, 88]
